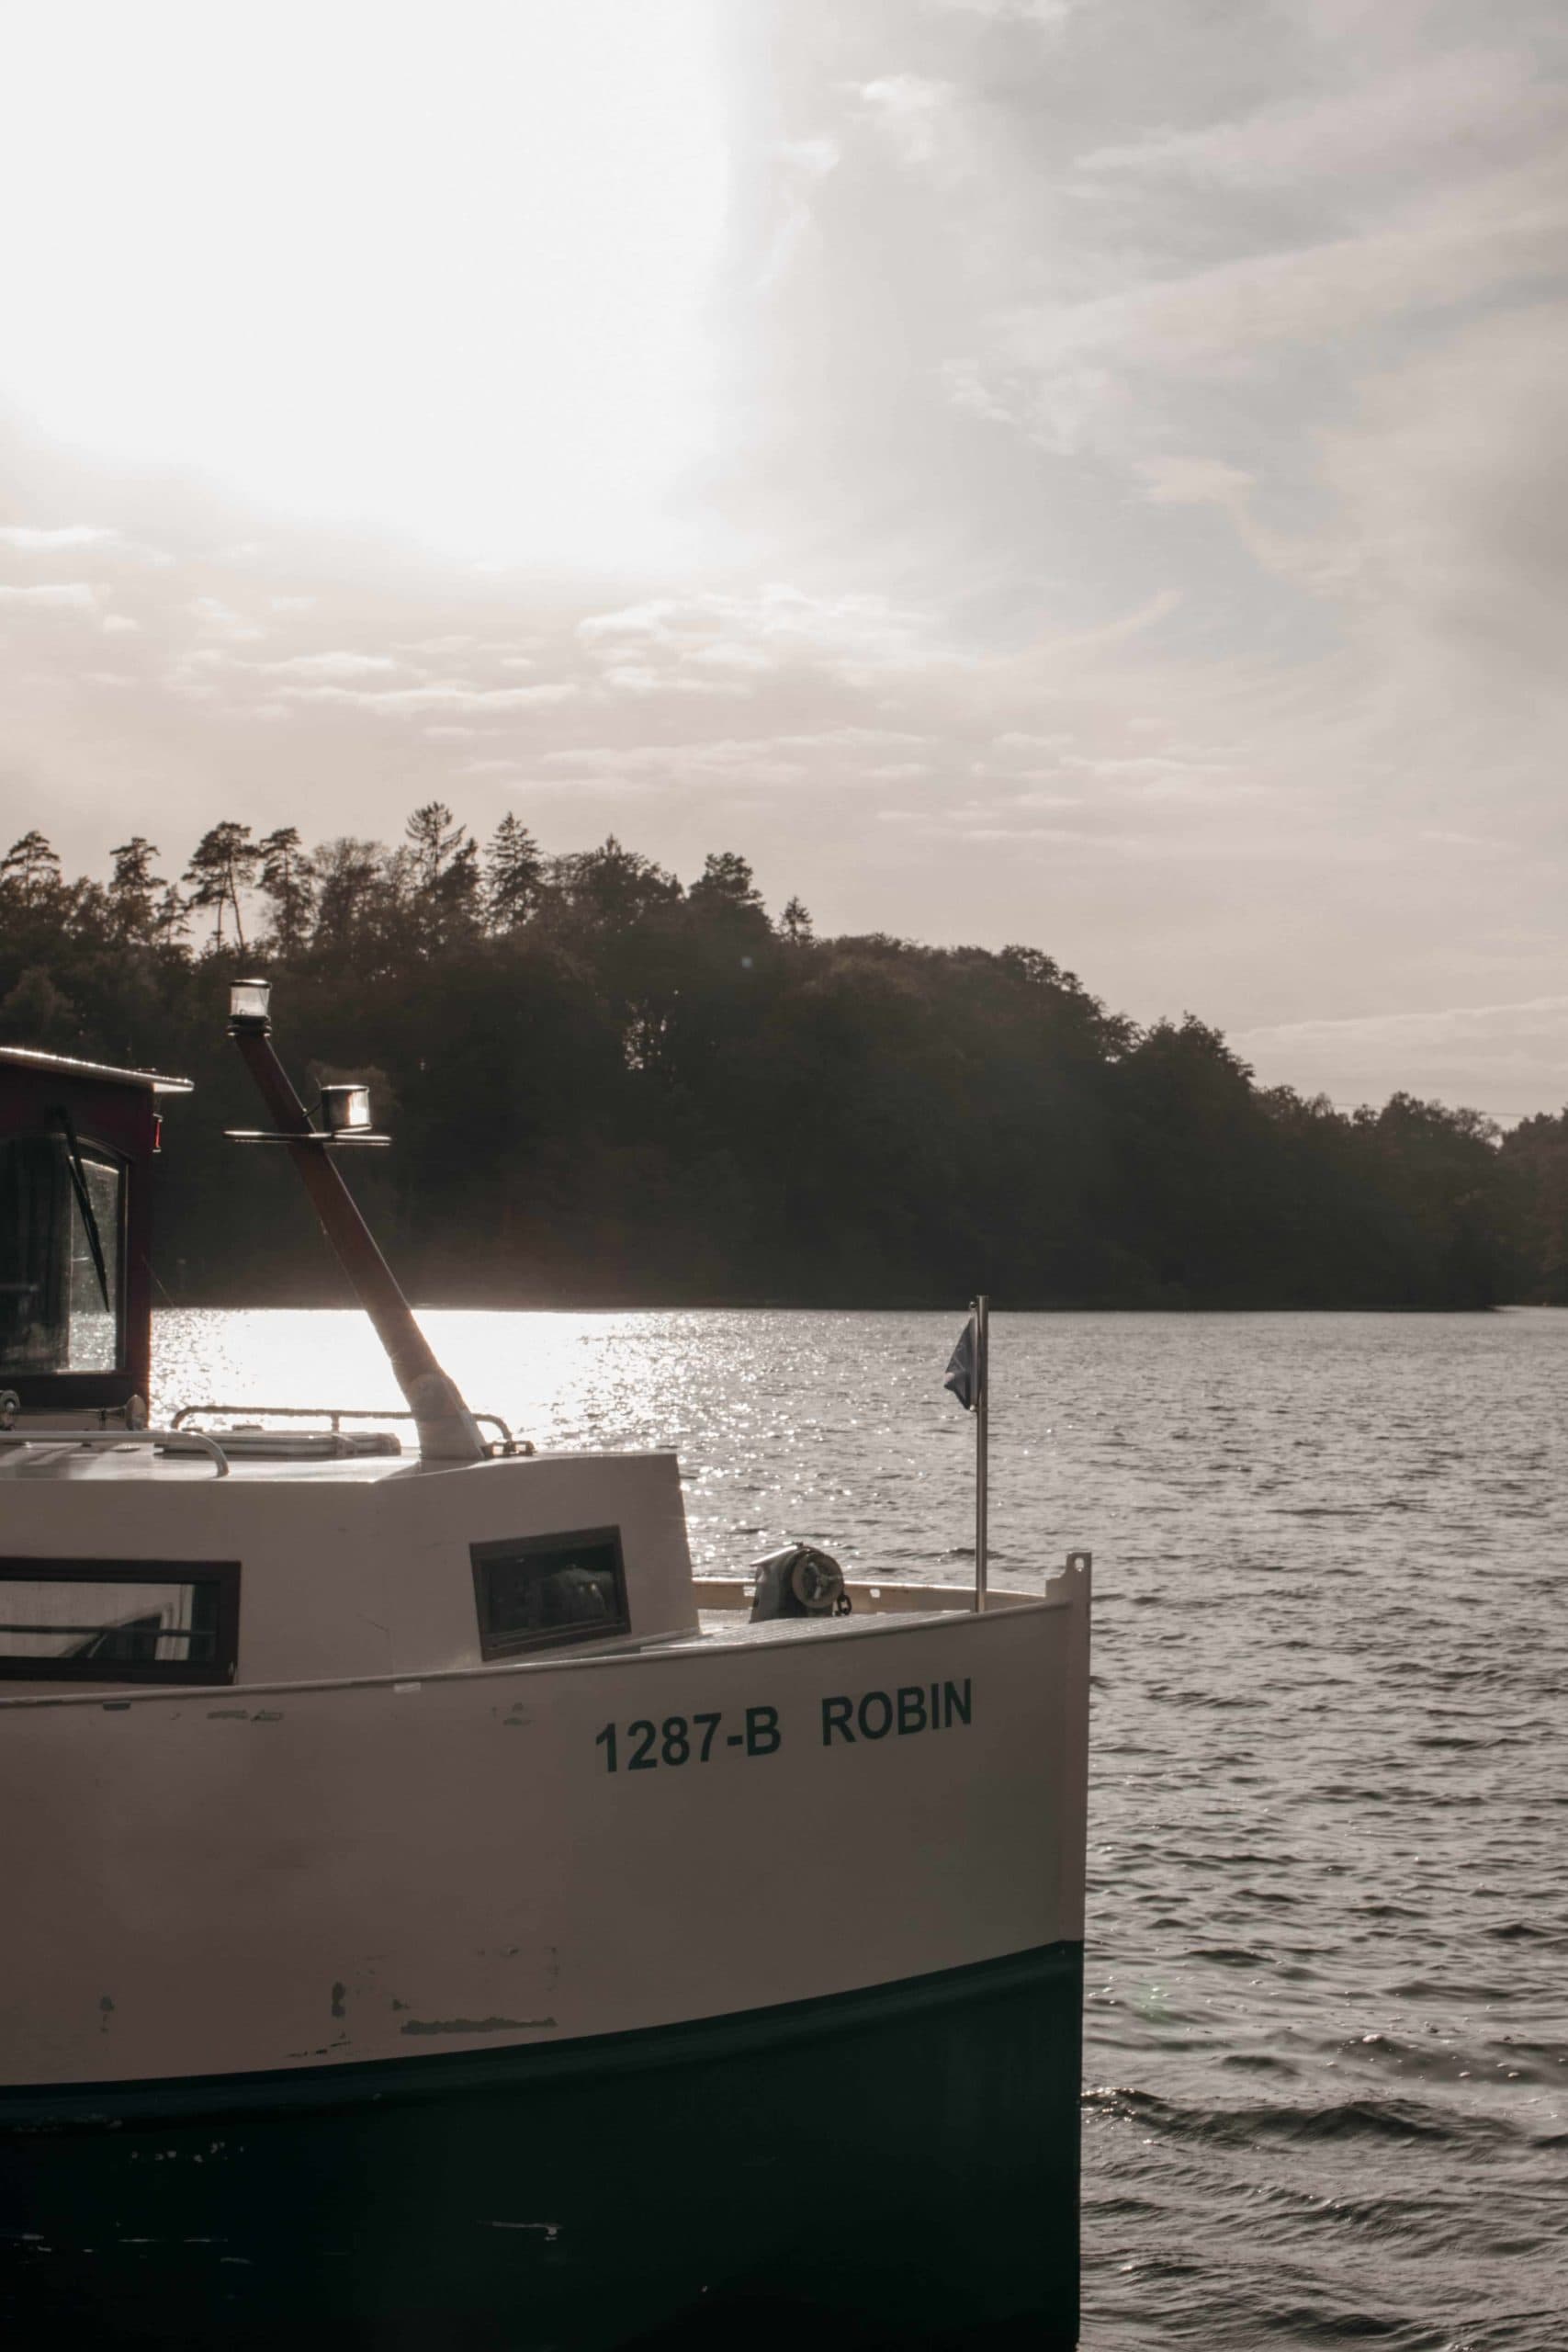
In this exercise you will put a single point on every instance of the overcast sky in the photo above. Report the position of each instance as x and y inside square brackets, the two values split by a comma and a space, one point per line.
[1080, 471]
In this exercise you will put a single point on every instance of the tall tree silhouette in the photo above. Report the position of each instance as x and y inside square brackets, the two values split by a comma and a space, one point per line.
[514, 875]
[612, 887]
[134, 889]
[725, 880]
[444, 877]
[30, 871]
[287, 881]
[223, 865]
[351, 891]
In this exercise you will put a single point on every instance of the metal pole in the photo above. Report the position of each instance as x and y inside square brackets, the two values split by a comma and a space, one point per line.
[982, 1436]
[446, 1431]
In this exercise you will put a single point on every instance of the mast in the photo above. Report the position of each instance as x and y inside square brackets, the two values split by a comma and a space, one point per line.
[982, 1442]
[446, 1427]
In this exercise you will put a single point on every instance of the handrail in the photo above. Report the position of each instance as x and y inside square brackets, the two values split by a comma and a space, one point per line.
[333, 1415]
[105, 1440]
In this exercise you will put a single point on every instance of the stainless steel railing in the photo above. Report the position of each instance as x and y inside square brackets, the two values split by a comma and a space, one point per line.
[336, 1415]
[104, 1441]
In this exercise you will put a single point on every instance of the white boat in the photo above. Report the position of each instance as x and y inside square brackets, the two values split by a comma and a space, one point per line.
[433, 1916]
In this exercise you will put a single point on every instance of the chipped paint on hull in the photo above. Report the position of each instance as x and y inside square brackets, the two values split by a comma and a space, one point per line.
[478, 2025]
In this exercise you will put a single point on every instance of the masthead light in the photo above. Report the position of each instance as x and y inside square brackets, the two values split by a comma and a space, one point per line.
[346, 1109]
[248, 1001]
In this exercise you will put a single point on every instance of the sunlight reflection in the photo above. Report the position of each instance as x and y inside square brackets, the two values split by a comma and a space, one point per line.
[769, 1413]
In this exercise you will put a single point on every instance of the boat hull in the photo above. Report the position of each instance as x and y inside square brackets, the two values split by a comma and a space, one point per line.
[897, 2166]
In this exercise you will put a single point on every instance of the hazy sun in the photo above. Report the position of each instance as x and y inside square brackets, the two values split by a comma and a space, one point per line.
[437, 264]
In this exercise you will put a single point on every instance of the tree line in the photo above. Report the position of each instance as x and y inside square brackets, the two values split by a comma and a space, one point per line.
[607, 1086]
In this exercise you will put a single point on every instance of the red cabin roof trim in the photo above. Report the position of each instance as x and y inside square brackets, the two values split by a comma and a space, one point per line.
[62, 1066]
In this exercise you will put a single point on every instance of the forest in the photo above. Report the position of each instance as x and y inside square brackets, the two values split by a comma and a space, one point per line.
[609, 1087]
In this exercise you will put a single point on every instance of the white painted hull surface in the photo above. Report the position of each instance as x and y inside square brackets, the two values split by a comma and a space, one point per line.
[255, 1880]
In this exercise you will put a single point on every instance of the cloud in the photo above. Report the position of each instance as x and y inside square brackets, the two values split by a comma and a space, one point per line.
[33, 539]
[910, 112]
[1065, 373]
[1465, 99]
[751, 760]
[1439, 1026]
[814, 158]
[327, 665]
[405, 702]
[1033, 12]
[773, 627]
[216, 618]
[75, 596]
[330, 664]
[1191, 481]
[1448, 488]
[1505, 1060]
[638, 678]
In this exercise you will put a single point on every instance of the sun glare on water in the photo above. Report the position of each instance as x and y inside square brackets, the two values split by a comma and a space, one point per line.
[441, 269]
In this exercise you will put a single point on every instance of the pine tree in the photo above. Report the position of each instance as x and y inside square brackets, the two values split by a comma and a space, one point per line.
[288, 882]
[443, 876]
[434, 839]
[612, 886]
[30, 871]
[795, 924]
[350, 876]
[727, 879]
[222, 863]
[172, 920]
[132, 886]
[514, 875]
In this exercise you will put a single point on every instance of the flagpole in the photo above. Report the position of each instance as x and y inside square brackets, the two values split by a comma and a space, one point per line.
[981, 1409]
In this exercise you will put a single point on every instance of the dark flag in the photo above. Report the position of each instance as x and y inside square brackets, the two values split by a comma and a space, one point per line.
[964, 1374]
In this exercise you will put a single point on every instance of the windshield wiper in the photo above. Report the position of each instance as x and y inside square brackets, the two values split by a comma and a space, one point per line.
[79, 1186]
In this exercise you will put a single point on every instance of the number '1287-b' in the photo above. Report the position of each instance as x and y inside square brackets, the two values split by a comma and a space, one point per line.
[685, 1740]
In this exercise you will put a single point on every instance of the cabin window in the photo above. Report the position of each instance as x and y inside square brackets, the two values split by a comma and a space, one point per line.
[534, 1591]
[104, 1621]
[62, 1216]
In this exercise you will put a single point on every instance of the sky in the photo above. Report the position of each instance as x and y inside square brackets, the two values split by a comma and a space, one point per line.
[1084, 472]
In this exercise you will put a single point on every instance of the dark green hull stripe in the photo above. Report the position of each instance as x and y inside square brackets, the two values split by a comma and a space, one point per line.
[427, 2075]
[898, 2166]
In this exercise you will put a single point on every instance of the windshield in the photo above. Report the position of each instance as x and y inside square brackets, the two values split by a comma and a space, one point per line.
[55, 1315]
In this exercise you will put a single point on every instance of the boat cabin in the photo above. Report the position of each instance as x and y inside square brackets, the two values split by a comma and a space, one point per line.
[77, 1140]
[209, 1552]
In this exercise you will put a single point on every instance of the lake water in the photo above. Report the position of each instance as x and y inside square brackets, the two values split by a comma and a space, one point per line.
[1327, 2023]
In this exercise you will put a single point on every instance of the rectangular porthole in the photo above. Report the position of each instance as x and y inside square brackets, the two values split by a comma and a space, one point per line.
[118, 1620]
[538, 1591]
